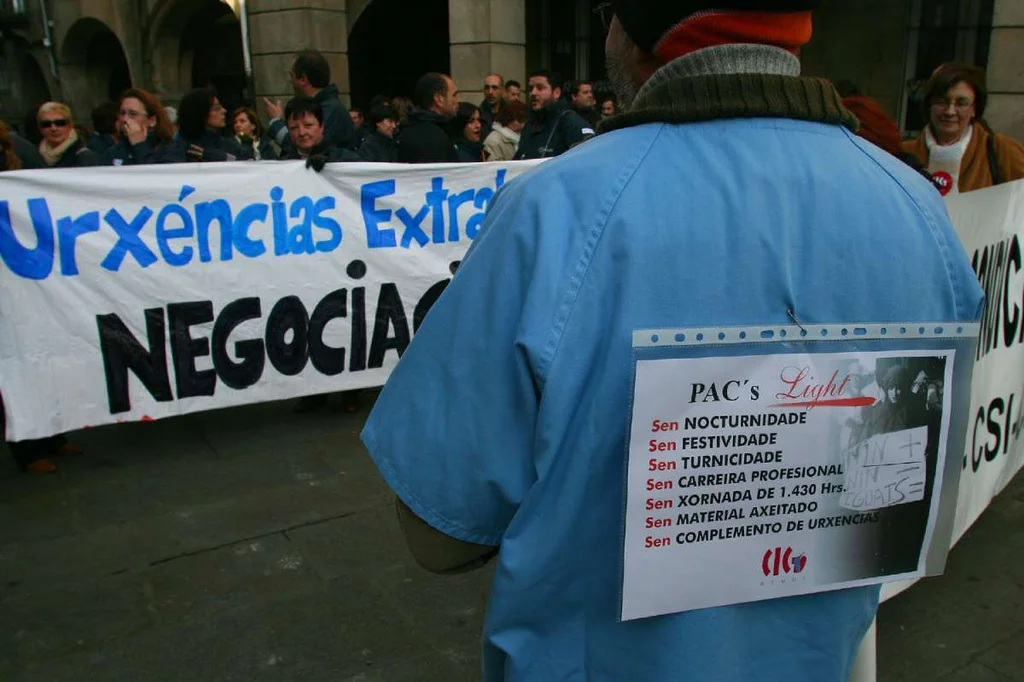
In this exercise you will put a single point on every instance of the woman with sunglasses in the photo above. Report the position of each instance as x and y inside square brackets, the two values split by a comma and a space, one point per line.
[61, 145]
[146, 134]
[201, 122]
[957, 147]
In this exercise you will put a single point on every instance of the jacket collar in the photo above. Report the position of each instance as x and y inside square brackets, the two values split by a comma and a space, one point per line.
[733, 81]
[542, 116]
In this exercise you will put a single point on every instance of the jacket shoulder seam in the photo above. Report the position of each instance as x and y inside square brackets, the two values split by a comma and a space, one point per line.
[579, 274]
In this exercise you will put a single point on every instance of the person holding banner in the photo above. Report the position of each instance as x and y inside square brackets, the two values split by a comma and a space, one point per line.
[732, 193]
[61, 146]
[146, 134]
[305, 120]
[959, 149]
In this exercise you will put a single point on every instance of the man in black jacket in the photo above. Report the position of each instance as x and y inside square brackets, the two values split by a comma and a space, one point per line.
[494, 101]
[425, 138]
[311, 77]
[307, 136]
[553, 128]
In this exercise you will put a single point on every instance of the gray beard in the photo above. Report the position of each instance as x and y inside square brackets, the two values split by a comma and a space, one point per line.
[622, 84]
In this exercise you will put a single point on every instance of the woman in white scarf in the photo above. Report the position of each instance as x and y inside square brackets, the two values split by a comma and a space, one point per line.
[61, 146]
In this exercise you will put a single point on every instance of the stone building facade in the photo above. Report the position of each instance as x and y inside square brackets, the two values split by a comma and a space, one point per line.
[86, 51]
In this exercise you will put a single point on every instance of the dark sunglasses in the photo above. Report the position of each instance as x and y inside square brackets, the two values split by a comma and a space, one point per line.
[59, 122]
[606, 12]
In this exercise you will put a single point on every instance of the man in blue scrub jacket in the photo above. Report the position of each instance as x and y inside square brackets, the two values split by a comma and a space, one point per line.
[732, 191]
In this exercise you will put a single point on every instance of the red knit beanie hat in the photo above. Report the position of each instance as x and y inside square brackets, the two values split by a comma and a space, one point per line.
[671, 28]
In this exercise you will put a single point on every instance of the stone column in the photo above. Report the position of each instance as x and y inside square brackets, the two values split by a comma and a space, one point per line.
[280, 28]
[487, 36]
[1006, 69]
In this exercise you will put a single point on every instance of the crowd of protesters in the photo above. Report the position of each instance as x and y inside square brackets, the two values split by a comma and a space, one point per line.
[957, 150]
[433, 126]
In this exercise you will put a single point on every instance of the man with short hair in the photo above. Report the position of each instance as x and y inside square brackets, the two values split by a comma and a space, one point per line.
[425, 138]
[360, 124]
[307, 136]
[732, 193]
[513, 91]
[310, 76]
[494, 101]
[583, 102]
[554, 128]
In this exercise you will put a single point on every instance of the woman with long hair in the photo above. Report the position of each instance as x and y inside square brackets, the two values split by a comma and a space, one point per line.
[250, 135]
[9, 159]
[201, 122]
[146, 135]
[61, 145]
[466, 130]
[957, 147]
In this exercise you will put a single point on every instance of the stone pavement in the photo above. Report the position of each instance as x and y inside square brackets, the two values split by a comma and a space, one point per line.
[257, 544]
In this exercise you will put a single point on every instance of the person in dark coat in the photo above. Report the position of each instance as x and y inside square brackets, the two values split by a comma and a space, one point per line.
[494, 102]
[308, 136]
[26, 152]
[62, 146]
[425, 139]
[310, 76]
[553, 128]
[466, 131]
[380, 146]
[146, 135]
[249, 135]
[104, 128]
[201, 121]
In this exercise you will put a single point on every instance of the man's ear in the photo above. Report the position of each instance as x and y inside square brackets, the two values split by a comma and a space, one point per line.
[557, 92]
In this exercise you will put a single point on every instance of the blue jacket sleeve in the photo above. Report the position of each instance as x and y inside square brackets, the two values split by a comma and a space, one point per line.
[452, 432]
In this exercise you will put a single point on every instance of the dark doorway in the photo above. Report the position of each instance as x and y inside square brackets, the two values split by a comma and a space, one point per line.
[393, 43]
[94, 65]
[214, 37]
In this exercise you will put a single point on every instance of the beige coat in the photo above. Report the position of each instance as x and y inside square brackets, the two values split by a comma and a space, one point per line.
[501, 144]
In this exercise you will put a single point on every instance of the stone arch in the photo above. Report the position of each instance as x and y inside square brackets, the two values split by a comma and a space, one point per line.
[194, 43]
[380, 49]
[94, 68]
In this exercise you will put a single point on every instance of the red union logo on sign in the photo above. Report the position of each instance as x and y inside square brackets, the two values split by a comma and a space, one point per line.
[779, 561]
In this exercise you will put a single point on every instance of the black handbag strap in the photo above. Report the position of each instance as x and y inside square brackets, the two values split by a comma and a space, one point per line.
[990, 149]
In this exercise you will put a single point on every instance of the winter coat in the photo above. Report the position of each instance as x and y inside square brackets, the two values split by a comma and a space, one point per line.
[425, 139]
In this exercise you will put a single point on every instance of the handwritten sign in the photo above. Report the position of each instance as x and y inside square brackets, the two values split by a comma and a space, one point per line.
[885, 470]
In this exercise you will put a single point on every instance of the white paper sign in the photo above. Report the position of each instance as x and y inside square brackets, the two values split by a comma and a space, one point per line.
[767, 475]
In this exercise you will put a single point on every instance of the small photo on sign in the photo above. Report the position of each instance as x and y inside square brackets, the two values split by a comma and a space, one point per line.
[889, 447]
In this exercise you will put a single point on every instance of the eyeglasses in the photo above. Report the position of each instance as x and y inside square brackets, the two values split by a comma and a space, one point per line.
[133, 114]
[961, 103]
[59, 122]
[606, 12]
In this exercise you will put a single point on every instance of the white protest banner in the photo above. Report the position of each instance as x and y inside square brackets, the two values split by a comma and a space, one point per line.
[141, 293]
[772, 468]
[990, 223]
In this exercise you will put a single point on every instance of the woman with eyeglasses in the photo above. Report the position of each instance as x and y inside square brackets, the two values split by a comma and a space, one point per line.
[201, 122]
[957, 147]
[146, 135]
[61, 145]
